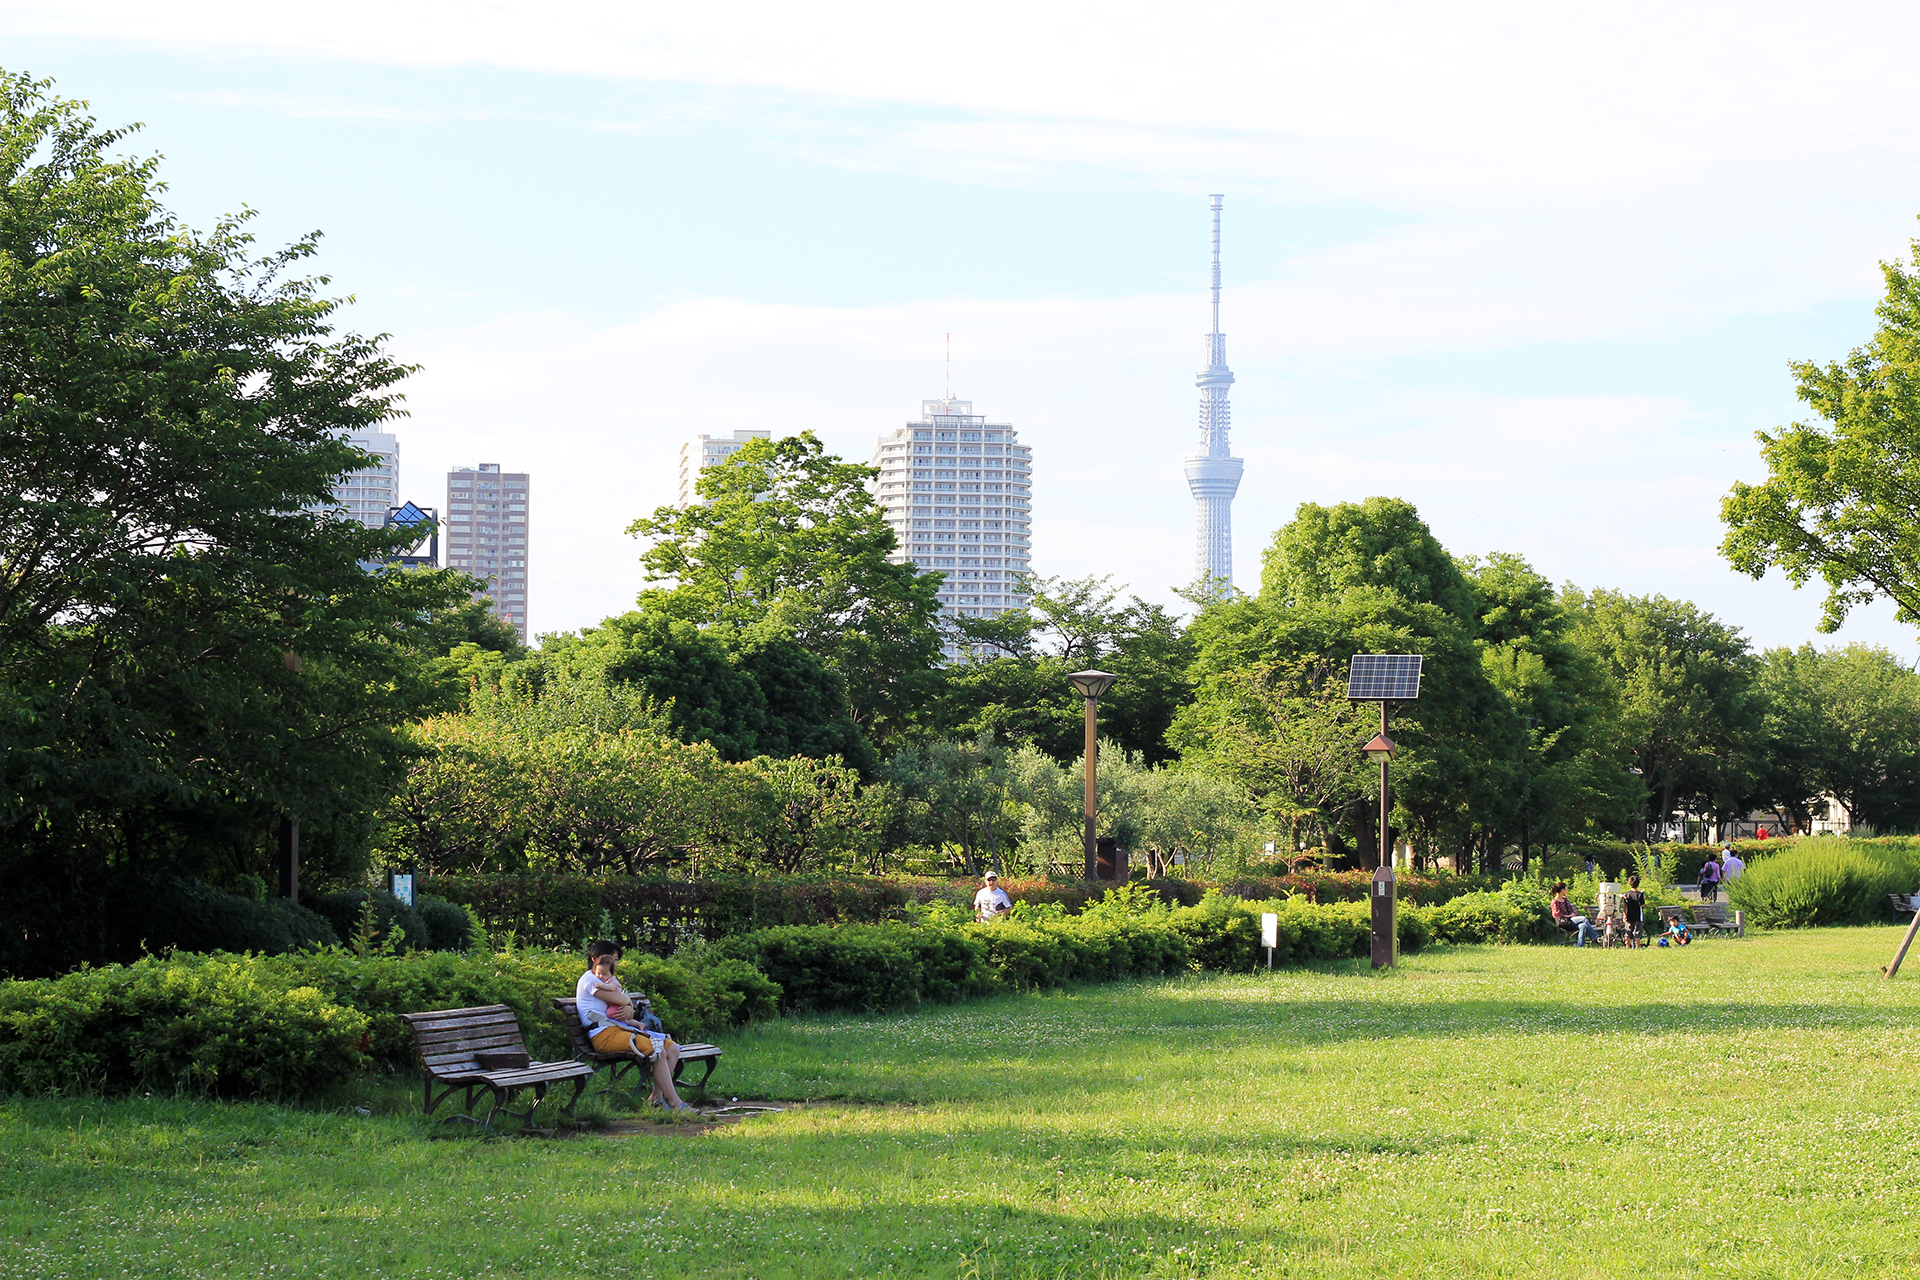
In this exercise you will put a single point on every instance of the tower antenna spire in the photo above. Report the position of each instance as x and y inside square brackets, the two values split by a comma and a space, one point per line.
[1216, 201]
[1213, 474]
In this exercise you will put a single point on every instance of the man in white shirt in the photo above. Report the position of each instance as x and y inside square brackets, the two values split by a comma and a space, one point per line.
[992, 900]
[1731, 864]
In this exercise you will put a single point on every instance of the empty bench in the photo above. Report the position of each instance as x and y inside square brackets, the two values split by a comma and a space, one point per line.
[1902, 904]
[583, 1050]
[481, 1049]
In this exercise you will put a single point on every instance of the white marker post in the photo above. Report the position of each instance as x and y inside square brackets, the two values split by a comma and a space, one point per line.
[1269, 935]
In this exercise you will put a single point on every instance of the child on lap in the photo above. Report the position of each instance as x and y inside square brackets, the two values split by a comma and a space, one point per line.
[613, 1024]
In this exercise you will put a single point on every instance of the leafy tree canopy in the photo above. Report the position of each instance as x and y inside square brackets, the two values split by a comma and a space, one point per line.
[1688, 715]
[788, 542]
[1840, 499]
[189, 648]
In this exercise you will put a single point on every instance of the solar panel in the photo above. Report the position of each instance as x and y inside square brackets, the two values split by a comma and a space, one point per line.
[1384, 677]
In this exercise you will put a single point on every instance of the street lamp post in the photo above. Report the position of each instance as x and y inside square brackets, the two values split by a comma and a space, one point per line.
[1384, 678]
[1091, 685]
[1386, 893]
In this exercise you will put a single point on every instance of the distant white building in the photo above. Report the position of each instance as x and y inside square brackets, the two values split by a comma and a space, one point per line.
[367, 494]
[958, 491]
[487, 536]
[703, 451]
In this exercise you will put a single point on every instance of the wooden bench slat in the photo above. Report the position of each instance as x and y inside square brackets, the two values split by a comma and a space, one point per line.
[484, 1037]
[471, 1026]
[455, 1015]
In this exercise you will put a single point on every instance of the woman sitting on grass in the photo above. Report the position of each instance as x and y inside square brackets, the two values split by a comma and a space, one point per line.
[608, 1014]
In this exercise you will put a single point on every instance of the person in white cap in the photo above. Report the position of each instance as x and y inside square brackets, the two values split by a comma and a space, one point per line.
[992, 900]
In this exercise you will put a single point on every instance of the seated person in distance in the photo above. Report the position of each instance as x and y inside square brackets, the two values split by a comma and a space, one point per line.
[613, 1024]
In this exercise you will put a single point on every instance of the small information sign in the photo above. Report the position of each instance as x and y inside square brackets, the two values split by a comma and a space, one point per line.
[1269, 929]
[403, 887]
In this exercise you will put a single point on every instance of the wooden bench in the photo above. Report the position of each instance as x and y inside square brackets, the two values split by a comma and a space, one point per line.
[1902, 905]
[583, 1050]
[1708, 917]
[473, 1049]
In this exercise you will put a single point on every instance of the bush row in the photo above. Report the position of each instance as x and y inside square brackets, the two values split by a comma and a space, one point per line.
[283, 1025]
[663, 915]
[287, 1025]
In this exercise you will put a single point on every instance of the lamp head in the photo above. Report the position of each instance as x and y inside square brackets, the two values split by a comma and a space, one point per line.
[1092, 684]
[1380, 749]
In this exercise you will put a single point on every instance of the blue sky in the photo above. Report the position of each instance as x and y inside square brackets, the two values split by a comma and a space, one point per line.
[1538, 271]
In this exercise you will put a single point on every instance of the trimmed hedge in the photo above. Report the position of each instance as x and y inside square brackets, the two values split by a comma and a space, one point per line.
[288, 1024]
[116, 919]
[225, 1025]
[661, 915]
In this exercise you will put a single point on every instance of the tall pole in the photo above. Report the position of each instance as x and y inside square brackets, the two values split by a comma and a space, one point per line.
[1093, 865]
[1385, 855]
[1385, 942]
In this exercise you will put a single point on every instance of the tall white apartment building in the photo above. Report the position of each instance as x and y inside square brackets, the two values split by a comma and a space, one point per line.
[366, 494]
[958, 491]
[486, 528]
[701, 452]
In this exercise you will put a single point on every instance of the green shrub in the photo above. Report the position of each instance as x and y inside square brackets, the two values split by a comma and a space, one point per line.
[449, 926]
[821, 967]
[384, 986]
[121, 919]
[223, 1025]
[1821, 882]
[343, 911]
[1485, 917]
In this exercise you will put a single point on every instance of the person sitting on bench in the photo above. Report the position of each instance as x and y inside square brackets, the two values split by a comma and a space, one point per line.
[1566, 921]
[613, 1025]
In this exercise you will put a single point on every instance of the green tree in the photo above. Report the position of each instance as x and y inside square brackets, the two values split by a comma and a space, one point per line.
[1688, 714]
[188, 646]
[749, 693]
[958, 796]
[1574, 782]
[1361, 578]
[788, 543]
[1840, 498]
[1843, 722]
[1013, 683]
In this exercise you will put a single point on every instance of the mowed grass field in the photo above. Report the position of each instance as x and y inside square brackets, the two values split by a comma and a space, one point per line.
[1740, 1108]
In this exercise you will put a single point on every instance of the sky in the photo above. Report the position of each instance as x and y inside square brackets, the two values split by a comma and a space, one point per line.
[1538, 269]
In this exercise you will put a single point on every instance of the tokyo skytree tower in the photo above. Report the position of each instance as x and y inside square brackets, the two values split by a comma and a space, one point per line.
[1213, 474]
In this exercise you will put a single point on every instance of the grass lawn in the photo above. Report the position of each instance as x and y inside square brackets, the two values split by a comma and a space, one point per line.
[1742, 1107]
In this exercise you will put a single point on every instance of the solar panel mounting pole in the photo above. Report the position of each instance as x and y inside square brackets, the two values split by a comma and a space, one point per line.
[1384, 678]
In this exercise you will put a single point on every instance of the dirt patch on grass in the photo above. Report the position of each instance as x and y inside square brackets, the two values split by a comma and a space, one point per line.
[706, 1121]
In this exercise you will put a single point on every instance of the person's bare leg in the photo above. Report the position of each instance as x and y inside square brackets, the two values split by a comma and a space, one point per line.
[663, 1090]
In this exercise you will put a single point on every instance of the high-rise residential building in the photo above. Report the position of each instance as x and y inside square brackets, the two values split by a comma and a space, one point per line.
[367, 494]
[1213, 474]
[487, 535]
[701, 452]
[958, 491]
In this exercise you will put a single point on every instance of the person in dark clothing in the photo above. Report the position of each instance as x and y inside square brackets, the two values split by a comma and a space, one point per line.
[1709, 880]
[1633, 906]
